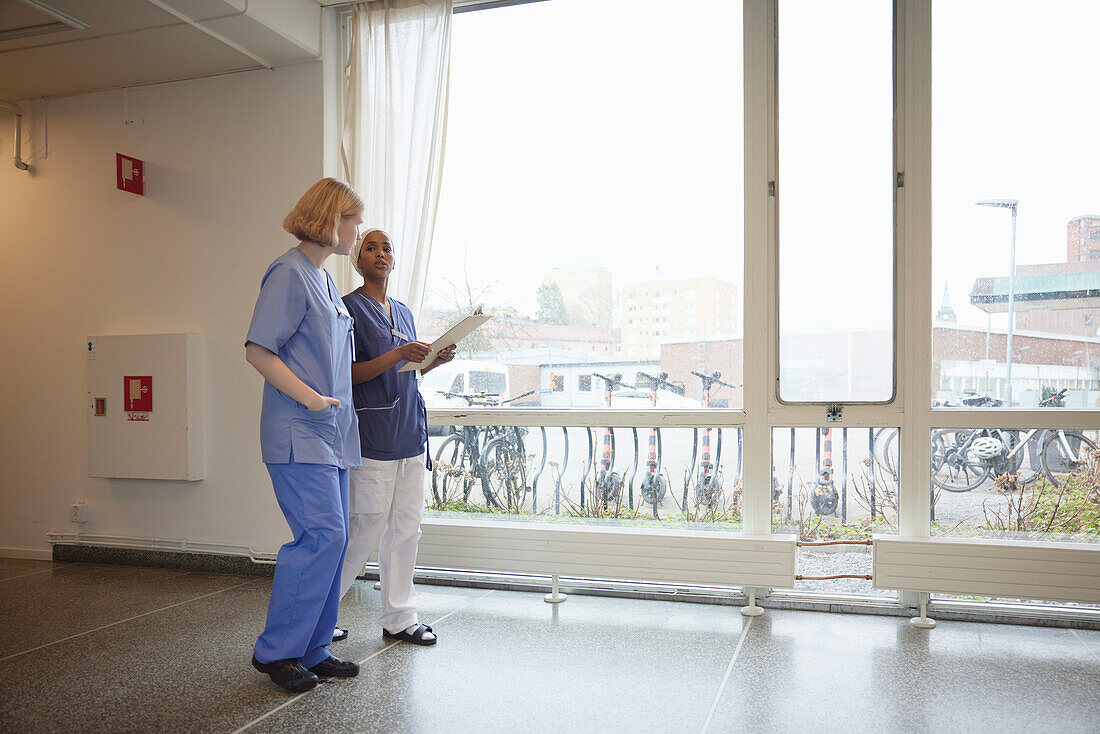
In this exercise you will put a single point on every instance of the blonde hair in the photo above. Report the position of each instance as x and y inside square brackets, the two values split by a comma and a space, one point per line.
[316, 216]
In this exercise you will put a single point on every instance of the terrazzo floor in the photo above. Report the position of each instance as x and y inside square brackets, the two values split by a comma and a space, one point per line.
[101, 648]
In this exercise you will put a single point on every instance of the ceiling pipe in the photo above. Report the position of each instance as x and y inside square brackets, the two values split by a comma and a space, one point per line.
[18, 112]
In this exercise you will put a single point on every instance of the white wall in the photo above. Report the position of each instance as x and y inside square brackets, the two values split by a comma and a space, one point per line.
[225, 160]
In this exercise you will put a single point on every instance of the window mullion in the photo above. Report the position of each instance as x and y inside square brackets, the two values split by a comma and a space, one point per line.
[914, 221]
[759, 34]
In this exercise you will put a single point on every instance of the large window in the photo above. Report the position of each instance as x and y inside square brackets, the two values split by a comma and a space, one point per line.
[1016, 204]
[592, 200]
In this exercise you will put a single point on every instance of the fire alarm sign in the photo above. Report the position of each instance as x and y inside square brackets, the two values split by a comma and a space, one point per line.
[130, 174]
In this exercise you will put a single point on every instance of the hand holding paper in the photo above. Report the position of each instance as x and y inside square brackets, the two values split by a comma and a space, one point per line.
[414, 351]
[453, 336]
[445, 355]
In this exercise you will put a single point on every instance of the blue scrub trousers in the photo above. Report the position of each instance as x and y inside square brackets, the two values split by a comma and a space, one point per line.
[305, 595]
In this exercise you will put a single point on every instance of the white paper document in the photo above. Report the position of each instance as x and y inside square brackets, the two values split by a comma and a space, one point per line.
[454, 335]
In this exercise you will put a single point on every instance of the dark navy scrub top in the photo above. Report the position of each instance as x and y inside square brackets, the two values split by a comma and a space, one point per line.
[392, 422]
[299, 316]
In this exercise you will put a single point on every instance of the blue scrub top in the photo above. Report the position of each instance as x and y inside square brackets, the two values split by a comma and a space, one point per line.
[392, 421]
[299, 316]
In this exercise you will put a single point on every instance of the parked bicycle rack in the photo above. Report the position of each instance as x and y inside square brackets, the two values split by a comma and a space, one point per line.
[826, 499]
[492, 461]
[468, 471]
[535, 479]
[601, 482]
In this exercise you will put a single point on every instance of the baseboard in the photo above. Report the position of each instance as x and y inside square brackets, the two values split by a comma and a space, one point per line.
[172, 560]
[31, 553]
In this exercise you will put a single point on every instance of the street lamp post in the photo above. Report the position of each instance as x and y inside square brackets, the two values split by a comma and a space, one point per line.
[1008, 204]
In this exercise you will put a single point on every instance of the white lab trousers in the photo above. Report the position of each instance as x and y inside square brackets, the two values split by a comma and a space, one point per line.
[387, 504]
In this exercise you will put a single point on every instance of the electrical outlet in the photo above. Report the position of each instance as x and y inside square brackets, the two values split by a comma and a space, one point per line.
[79, 512]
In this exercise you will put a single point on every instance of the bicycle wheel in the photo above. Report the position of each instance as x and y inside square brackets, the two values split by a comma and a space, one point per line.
[886, 451]
[953, 466]
[1063, 460]
[504, 475]
[452, 478]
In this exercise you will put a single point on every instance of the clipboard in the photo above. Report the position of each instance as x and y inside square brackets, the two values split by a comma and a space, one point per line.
[454, 335]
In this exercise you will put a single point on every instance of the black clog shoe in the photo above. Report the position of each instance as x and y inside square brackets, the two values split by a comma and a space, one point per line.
[288, 674]
[333, 667]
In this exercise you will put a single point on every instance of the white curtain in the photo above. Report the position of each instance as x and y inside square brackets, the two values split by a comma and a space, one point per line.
[395, 122]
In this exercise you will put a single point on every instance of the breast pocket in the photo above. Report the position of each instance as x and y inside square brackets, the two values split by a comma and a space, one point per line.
[344, 331]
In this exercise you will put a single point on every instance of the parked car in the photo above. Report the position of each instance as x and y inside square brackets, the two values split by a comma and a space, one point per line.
[461, 377]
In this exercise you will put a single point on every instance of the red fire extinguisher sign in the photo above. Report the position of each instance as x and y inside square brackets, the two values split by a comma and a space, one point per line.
[137, 394]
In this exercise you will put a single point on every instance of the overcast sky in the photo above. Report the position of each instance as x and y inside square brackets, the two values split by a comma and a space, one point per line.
[612, 129]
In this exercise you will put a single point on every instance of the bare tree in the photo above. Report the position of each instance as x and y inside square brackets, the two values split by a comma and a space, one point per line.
[464, 297]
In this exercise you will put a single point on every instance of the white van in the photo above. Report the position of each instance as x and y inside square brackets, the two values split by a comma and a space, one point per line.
[462, 377]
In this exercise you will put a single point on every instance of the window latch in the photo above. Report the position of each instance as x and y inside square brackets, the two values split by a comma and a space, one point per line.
[833, 413]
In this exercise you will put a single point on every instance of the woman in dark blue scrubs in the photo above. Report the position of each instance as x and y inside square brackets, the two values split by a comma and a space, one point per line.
[387, 490]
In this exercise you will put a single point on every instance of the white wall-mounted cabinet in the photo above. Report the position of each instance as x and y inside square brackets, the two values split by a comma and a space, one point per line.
[145, 406]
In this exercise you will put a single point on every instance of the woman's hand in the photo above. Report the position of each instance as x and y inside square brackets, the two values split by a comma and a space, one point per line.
[322, 402]
[413, 351]
[446, 354]
[275, 371]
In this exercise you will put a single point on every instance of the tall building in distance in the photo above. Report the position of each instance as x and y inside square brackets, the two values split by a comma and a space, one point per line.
[586, 289]
[1083, 239]
[658, 311]
[1068, 290]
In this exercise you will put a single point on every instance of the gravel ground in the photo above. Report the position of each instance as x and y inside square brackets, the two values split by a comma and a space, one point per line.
[818, 562]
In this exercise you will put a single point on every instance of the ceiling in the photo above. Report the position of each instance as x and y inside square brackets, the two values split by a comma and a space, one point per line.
[51, 48]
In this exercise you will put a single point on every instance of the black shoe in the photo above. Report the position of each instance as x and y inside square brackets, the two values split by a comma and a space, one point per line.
[288, 674]
[416, 637]
[332, 667]
[339, 634]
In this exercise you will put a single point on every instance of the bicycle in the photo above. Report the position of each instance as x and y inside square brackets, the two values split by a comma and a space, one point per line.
[884, 442]
[492, 456]
[963, 460]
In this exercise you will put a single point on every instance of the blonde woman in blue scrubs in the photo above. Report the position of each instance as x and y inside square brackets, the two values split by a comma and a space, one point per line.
[300, 340]
[387, 490]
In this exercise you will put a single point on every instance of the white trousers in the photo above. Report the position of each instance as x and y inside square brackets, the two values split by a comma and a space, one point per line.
[387, 504]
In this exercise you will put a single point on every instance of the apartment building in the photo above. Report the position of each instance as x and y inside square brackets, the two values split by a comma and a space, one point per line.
[659, 311]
